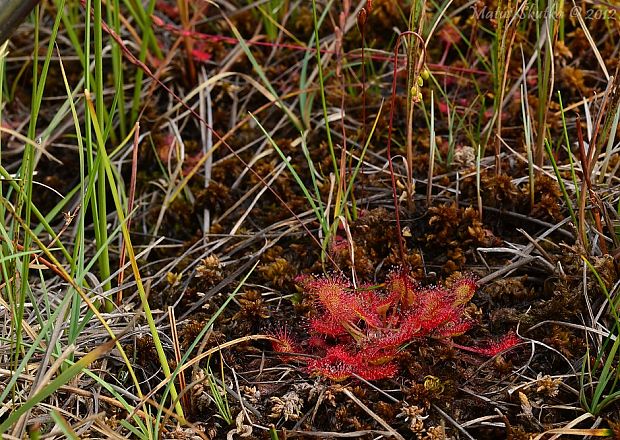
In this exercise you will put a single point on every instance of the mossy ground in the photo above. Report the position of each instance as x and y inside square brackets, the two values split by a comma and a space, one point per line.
[531, 271]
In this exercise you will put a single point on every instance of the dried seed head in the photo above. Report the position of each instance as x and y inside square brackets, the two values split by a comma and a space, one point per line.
[288, 406]
[362, 17]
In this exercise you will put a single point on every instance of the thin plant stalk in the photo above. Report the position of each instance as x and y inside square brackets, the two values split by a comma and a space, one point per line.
[330, 143]
[401, 243]
[101, 222]
[433, 148]
[148, 40]
[560, 181]
[117, 67]
[528, 137]
[568, 149]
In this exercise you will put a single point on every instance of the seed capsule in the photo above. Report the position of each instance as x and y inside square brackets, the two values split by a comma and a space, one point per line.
[362, 16]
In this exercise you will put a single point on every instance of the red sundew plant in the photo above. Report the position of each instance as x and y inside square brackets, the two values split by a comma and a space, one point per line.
[359, 331]
[285, 344]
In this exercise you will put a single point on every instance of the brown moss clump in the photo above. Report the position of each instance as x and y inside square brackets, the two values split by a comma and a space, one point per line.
[509, 289]
[499, 191]
[143, 351]
[375, 241]
[303, 23]
[252, 307]
[607, 270]
[209, 272]
[547, 199]
[563, 340]
[190, 331]
[385, 14]
[452, 232]
[573, 78]
[278, 273]
[215, 197]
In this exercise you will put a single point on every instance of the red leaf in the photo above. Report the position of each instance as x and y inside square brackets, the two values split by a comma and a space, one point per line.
[284, 343]
[494, 348]
[201, 56]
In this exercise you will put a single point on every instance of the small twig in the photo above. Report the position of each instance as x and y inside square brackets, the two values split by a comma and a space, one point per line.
[376, 388]
[327, 434]
[505, 270]
[539, 248]
[452, 422]
[372, 414]
[506, 421]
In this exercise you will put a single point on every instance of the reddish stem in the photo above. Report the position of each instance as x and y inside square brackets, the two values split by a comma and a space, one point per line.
[231, 40]
[401, 242]
[363, 34]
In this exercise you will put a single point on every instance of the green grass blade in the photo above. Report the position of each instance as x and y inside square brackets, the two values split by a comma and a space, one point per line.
[261, 74]
[62, 379]
[317, 211]
[558, 176]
